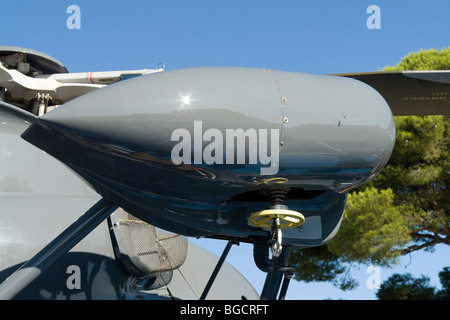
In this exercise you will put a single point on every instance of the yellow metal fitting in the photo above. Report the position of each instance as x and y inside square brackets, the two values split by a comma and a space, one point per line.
[288, 218]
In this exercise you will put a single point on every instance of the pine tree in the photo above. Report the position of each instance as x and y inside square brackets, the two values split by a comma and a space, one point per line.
[405, 208]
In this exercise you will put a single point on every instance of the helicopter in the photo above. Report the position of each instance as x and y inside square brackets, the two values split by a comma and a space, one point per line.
[106, 175]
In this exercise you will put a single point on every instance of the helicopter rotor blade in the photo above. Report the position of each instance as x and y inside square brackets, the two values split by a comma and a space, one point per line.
[418, 93]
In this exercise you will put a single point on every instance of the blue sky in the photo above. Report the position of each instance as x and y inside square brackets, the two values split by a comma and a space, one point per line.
[305, 36]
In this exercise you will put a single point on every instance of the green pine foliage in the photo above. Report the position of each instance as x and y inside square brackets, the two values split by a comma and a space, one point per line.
[407, 287]
[374, 229]
[431, 59]
[403, 209]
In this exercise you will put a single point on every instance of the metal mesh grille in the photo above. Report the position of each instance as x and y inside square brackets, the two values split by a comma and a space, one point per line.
[151, 250]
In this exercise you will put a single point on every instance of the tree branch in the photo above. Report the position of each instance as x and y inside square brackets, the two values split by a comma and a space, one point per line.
[436, 240]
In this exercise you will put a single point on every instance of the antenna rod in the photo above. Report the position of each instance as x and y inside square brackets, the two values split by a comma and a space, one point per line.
[216, 270]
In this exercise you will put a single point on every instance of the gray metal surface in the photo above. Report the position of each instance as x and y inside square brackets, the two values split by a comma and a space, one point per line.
[334, 134]
[40, 197]
[158, 146]
[51, 253]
